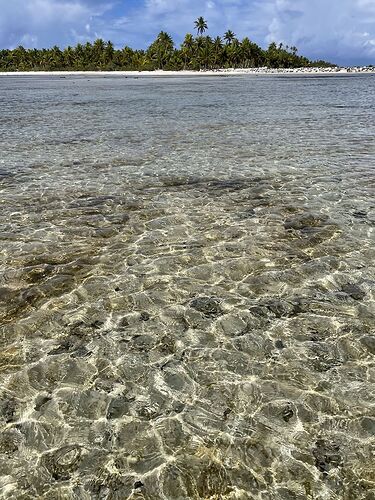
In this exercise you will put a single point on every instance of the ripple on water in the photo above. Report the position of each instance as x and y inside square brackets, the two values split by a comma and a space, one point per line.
[187, 305]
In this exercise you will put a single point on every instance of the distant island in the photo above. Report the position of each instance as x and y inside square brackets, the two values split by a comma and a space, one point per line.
[196, 53]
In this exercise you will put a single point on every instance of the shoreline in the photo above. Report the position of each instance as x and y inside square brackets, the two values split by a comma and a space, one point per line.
[218, 72]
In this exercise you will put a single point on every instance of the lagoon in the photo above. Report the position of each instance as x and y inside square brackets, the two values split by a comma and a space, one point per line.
[187, 287]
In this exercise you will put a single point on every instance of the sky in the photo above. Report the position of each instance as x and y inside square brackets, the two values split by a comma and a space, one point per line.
[341, 31]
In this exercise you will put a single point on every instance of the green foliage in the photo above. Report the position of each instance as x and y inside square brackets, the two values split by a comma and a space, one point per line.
[322, 64]
[161, 51]
[200, 52]
[201, 25]
[284, 57]
[229, 36]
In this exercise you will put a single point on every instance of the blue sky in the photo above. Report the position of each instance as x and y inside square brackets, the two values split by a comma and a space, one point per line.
[342, 31]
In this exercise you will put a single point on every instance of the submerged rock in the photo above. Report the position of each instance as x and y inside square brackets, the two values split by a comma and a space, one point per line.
[326, 455]
[287, 413]
[209, 306]
[41, 401]
[354, 291]
[360, 214]
[368, 341]
[10, 441]
[368, 424]
[246, 214]
[274, 308]
[110, 485]
[232, 325]
[305, 221]
[81, 352]
[65, 346]
[8, 409]
[144, 316]
[278, 410]
[38, 273]
[324, 358]
[301, 305]
[280, 308]
[260, 311]
[118, 407]
[69, 344]
[6, 294]
[29, 296]
[63, 462]
[279, 344]
[228, 184]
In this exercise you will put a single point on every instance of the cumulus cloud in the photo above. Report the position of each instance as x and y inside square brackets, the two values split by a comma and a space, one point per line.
[40, 23]
[338, 30]
[342, 30]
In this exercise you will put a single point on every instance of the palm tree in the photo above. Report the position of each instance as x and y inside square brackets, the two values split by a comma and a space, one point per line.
[217, 51]
[187, 48]
[98, 52]
[88, 55]
[161, 50]
[126, 57]
[20, 57]
[252, 54]
[234, 53]
[109, 52]
[79, 61]
[205, 52]
[195, 53]
[201, 25]
[229, 36]
[68, 55]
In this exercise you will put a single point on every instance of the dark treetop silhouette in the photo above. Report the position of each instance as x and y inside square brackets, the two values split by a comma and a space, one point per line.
[195, 53]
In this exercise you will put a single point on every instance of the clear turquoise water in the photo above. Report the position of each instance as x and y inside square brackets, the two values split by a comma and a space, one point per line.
[187, 288]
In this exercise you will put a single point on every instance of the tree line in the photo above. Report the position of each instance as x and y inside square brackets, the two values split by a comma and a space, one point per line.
[198, 52]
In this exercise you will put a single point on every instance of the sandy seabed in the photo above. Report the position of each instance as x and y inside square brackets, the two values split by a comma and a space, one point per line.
[187, 288]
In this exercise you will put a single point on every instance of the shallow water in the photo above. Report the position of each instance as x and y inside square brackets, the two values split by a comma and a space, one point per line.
[187, 288]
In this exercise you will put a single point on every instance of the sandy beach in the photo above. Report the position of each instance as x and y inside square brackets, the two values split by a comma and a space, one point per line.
[217, 72]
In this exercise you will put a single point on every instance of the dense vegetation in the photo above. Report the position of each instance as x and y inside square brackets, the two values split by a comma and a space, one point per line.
[195, 53]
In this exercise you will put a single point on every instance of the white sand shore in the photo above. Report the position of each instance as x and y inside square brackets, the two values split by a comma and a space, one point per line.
[218, 72]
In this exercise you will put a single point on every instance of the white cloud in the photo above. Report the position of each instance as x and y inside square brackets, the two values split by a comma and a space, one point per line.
[335, 29]
[46, 22]
[340, 30]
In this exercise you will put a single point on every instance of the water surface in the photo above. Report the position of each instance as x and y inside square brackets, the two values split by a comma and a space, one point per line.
[187, 288]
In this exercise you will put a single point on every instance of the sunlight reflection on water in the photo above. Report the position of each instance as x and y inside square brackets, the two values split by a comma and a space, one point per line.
[187, 287]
